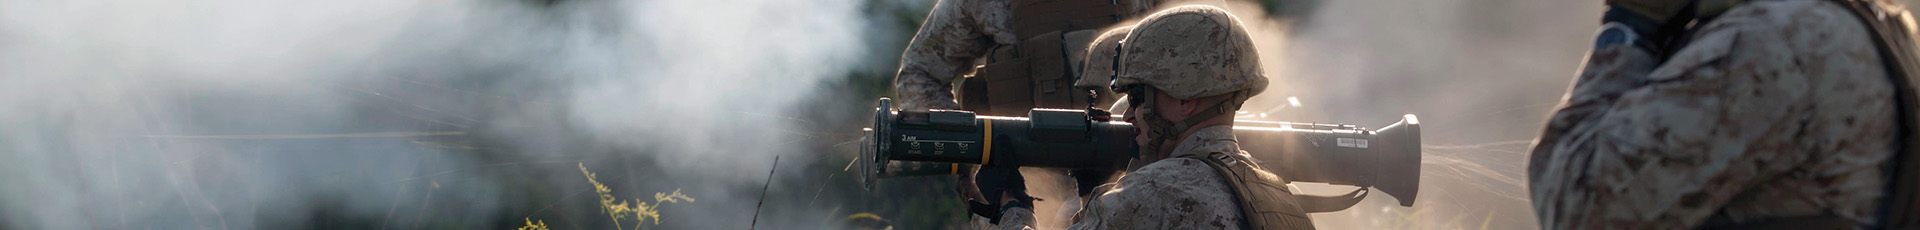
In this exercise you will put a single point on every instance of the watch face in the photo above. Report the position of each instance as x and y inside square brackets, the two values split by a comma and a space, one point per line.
[1614, 34]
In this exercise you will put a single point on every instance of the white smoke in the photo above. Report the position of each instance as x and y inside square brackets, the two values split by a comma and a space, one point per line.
[714, 83]
[268, 114]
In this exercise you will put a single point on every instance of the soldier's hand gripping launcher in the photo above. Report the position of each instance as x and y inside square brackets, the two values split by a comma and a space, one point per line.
[910, 143]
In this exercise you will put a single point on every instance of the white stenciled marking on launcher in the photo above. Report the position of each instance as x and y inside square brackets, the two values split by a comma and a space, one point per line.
[1351, 142]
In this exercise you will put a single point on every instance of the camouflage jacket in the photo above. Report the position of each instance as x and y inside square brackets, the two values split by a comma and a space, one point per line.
[955, 34]
[1774, 109]
[1174, 193]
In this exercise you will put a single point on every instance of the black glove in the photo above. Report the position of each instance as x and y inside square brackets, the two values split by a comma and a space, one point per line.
[995, 181]
[1088, 179]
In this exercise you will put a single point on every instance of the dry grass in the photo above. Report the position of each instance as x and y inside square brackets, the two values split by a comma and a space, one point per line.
[617, 209]
[531, 225]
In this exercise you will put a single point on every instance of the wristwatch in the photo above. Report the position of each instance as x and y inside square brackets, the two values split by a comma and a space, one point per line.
[1615, 33]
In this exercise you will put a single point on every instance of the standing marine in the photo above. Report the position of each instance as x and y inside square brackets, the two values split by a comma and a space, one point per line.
[1185, 71]
[1754, 114]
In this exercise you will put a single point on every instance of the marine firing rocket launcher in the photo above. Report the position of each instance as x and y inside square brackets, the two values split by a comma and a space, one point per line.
[922, 143]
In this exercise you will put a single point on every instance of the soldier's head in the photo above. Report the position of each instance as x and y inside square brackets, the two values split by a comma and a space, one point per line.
[1183, 69]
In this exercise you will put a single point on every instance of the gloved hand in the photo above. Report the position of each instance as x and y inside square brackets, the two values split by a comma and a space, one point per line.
[969, 193]
[1003, 187]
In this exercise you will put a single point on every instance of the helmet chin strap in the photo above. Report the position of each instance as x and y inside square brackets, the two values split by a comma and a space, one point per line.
[1161, 131]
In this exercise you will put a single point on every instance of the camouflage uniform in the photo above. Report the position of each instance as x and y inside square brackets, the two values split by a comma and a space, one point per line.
[955, 34]
[1773, 109]
[1174, 193]
[1187, 53]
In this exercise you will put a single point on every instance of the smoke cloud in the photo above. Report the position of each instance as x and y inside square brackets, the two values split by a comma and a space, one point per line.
[404, 114]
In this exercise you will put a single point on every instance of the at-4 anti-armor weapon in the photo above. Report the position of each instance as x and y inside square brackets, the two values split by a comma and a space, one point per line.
[918, 143]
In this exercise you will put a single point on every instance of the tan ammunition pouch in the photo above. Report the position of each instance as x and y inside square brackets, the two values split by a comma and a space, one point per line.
[1894, 38]
[1037, 73]
[1265, 202]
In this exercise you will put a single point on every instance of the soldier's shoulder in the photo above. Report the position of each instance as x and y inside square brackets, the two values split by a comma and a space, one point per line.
[1790, 18]
[1177, 177]
[1175, 168]
[1766, 32]
[1174, 193]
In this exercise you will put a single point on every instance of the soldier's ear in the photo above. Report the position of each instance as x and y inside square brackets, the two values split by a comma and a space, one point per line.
[1190, 106]
[1176, 109]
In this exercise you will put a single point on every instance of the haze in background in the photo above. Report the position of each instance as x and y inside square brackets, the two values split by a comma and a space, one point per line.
[1481, 76]
[355, 114]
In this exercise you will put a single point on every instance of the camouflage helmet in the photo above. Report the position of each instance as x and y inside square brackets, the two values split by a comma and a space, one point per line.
[1191, 52]
[1100, 58]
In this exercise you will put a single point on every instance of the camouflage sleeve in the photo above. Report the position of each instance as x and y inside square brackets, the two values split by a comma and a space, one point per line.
[1745, 104]
[1016, 219]
[1168, 194]
[954, 34]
